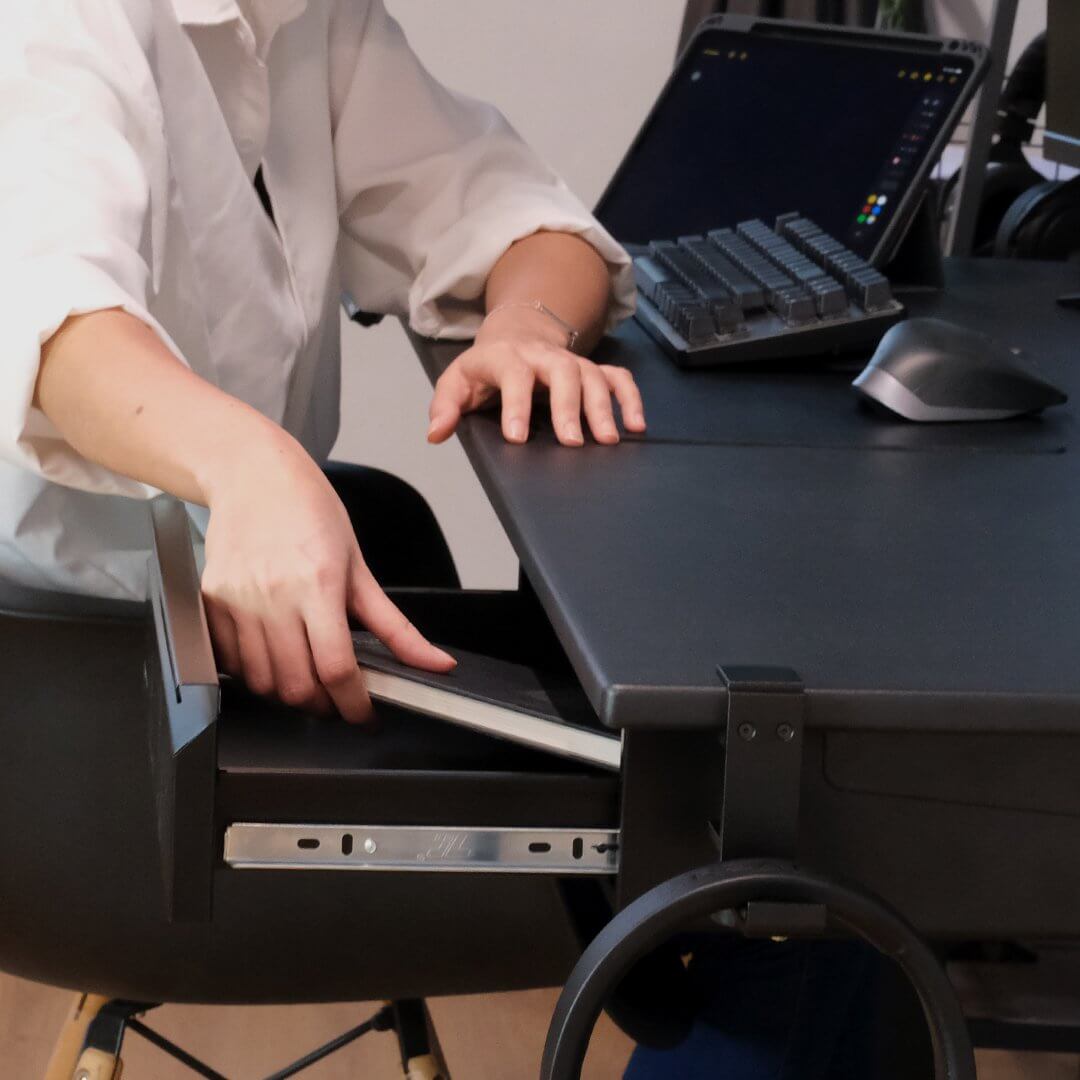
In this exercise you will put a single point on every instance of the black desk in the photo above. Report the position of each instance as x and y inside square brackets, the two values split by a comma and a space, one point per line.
[922, 582]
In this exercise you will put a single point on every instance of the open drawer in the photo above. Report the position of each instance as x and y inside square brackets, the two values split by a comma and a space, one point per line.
[244, 784]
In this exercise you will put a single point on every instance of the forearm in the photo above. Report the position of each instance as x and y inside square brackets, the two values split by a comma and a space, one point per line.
[564, 273]
[121, 399]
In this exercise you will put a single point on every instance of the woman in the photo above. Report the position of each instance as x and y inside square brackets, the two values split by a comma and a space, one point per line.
[162, 332]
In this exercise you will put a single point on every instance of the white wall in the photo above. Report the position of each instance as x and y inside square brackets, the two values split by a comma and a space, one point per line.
[576, 80]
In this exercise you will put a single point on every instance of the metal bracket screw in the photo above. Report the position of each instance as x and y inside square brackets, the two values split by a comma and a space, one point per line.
[370, 846]
[747, 732]
[785, 732]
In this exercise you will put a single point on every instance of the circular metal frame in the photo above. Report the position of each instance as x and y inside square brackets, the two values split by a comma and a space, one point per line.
[653, 917]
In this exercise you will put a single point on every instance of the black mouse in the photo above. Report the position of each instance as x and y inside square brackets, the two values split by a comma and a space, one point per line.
[932, 370]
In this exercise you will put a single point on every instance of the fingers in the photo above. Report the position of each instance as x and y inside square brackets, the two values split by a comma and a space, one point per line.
[335, 663]
[596, 398]
[300, 654]
[378, 613]
[516, 388]
[582, 384]
[621, 384]
[562, 373]
[452, 397]
[296, 681]
[255, 664]
[575, 385]
[223, 636]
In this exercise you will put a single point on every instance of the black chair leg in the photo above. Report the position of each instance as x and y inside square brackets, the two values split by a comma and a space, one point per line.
[421, 1056]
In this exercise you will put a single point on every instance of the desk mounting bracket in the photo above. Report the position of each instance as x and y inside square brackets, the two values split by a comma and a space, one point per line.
[763, 743]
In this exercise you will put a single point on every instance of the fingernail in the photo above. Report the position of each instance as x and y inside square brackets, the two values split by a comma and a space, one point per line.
[516, 429]
[609, 431]
[572, 434]
[447, 657]
[638, 419]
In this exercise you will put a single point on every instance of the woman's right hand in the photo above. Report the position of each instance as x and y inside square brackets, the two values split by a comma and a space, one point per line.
[283, 573]
[283, 569]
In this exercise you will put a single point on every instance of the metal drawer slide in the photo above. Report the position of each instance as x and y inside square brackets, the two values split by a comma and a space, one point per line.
[267, 846]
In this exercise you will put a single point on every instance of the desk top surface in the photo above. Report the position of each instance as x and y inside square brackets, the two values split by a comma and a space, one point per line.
[919, 577]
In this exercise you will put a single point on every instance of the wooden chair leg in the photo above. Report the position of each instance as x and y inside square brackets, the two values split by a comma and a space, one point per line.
[421, 1055]
[425, 1068]
[69, 1060]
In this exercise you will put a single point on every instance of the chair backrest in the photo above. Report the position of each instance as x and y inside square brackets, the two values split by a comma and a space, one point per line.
[22, 600]
[182, 698]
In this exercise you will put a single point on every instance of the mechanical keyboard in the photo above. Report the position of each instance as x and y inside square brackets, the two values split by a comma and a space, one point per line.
[754, 293]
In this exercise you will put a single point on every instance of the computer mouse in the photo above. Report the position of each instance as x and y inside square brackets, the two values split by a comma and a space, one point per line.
[932, 370]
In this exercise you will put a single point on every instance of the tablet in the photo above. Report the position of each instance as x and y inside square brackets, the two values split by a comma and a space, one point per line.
[762, 117]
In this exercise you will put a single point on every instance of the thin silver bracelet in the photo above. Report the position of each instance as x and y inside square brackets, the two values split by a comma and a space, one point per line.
[572, 335]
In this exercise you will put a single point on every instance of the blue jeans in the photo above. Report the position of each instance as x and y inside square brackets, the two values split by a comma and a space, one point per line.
[789, 1010]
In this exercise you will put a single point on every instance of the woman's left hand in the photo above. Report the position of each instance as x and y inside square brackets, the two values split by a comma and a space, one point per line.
[517, 351]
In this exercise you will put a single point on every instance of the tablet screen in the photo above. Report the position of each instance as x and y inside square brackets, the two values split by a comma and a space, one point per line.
[756, 125]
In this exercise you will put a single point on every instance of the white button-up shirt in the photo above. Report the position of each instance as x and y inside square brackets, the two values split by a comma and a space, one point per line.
[130, 132]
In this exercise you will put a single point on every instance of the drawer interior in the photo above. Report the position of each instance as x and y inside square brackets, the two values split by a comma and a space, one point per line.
[276, 764]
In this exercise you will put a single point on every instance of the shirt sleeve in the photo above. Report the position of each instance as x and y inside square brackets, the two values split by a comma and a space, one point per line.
[434, 186]
[74, 201]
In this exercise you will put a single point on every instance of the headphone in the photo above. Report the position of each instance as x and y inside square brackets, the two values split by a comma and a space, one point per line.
[1021, 214]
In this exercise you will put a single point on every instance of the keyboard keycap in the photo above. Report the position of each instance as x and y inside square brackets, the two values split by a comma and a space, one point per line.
[745, 291]
[689, 269]
[805, 271]
[845, 263]
[728, 317]
[748, 259]
[819, 248]
[695, 323]
[670, 296]
[829, 295]
[649, 275]
[791, 263]
[798, 230]
[870, 289]
[794, 305]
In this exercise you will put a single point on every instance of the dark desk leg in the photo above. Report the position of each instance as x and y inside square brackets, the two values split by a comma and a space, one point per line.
[672, 794]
